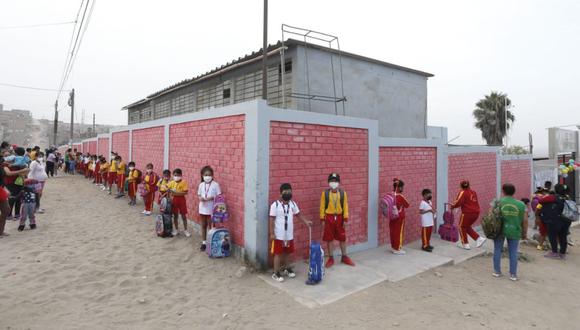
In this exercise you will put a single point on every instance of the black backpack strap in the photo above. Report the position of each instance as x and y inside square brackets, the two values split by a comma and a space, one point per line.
[326, 199]
[341, 199]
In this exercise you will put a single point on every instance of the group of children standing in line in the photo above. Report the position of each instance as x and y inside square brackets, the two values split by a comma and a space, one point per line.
[170, 185]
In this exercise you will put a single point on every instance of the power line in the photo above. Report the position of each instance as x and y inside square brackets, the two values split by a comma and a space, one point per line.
[81, 39]
[34, 25]
[29, 87]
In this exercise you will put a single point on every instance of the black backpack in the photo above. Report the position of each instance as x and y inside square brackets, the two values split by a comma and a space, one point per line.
[552, 212]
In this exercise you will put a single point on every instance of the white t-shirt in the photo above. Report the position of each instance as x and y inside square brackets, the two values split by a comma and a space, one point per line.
[208, 190]
[280, 210]
[426, 218]
[37, 171]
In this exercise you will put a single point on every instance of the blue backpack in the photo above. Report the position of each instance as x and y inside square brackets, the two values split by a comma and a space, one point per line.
[316, 262]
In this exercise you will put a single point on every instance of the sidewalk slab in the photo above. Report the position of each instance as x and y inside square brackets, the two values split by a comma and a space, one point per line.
[451, 250]
[372, 267]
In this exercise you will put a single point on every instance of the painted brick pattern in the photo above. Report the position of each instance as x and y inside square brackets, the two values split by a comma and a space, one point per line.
[92, 147]
[480, 169]
[304, 155]
[417, 167]
[103, 147]
[218, 142]
[86, 146]
[148, 145]
[120, 144]
[78, 147]
[519, 173]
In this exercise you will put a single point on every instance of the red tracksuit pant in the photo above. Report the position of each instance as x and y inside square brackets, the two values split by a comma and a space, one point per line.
[121, 182]
[148, 201]
[397, 229]
[467, 220]
[426, 236]
[132, 190]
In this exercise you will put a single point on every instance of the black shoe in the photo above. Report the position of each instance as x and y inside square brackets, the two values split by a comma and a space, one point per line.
[431, 247]
[21, 228]
[426, 249]
[32, 227]
[202, 247]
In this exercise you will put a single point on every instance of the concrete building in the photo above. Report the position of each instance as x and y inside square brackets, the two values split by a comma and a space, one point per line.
[16, 126]
[315, 79]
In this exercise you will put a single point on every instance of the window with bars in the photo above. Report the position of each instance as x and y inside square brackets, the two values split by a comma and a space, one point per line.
[183, 104]
[162, 109]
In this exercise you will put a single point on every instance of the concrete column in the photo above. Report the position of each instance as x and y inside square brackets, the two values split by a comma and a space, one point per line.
[166, 146]
[373, 186]
[498, 173]
[130, 156]
[256, 185]
[442, 178]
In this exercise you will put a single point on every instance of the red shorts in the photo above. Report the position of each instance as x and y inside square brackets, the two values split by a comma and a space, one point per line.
[178, 205]
[277, 247]
[333, 229]
[543, 229]
[112, 177]
[4, 194]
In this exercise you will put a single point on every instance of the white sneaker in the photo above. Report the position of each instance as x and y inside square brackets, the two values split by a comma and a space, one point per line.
[513, 278]
[277, 277]
[144, 212]
[147, 212]
[400, 252]
[463, 246]
[289, 272]
[187, 234]
[480, 241]
[174, 232]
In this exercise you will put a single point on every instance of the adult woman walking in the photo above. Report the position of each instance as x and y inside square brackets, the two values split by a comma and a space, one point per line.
[4, 193]
[51, 163]
[38, 173]
[550, 211]
[467, 200]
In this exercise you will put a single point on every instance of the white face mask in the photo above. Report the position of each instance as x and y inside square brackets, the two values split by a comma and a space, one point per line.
[40, 159]
[176, 178]
[333, 185]
[131, 168]
[207, 179]
[149, 170]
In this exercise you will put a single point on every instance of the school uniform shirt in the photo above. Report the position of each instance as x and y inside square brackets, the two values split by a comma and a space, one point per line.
[133, 176]
[180, 186]
[334, 205]
[121, 169]
[427, 219]
[113, 166]
[163, 185]
[208, 190]
[104, 167]
[279, 211]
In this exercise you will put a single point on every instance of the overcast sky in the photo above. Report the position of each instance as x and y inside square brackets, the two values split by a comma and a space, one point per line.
[528, 49]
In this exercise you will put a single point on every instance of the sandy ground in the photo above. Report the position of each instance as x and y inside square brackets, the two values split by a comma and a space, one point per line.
[94, 263]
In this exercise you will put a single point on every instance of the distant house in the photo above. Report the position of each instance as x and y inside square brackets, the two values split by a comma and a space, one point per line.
[315, 78]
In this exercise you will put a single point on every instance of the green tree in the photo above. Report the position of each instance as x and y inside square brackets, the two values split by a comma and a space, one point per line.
[490, 117]
[515, 150]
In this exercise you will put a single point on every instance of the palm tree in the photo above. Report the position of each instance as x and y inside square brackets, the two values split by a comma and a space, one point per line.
[490, 117]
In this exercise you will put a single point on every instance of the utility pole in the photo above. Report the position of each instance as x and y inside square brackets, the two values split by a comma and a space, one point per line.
[55, 128]
[71, 103]
[265, 54]
[94, 126]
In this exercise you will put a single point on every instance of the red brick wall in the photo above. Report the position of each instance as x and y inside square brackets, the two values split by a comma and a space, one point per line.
[480, 169]
[92, 147]
[519, 173]
[304, 155]
[218, 142]
[417, 167]
[78, 147]
[103, 146]
[85, 146]
[120, 144]
[148, 145]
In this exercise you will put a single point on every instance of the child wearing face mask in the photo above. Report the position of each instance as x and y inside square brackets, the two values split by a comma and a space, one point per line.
[162, 185]
[427, 213]
[150, 183]
[132, 179]
[120, 177]
[397, 226]
[208, 189]
[178, 189]
[281, 225]
[334, 217]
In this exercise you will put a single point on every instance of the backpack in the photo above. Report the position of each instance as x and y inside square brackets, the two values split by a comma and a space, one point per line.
[535, 202]
[315, 261]
[448, 231]
[551, 212]
[388, 206]
[570, 212]
[165, 205]
[327, 199]
[492, 223]
[220, 212]
[139, 176]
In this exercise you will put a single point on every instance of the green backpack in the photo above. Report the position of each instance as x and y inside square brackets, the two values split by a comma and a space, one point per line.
[492, 223]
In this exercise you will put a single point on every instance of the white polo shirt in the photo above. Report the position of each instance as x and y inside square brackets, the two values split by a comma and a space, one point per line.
[208, 190]
[426, 218]
[280, 211]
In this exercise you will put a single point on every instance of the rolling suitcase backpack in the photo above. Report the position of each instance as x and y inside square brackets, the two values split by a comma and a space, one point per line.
[448, 230]
[219, 243]
[163, 224]
[315, 262]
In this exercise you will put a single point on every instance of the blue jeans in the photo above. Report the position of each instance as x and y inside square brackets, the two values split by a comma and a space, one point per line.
[512, 252]
[73, 166]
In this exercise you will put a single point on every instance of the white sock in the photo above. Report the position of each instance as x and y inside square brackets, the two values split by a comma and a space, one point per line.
[203, 242]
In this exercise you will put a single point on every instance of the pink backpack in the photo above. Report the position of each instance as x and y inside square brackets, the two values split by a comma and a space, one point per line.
[389, 206]
[220, 210]
[448, 231]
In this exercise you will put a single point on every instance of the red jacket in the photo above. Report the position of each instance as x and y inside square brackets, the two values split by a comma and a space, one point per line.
[467, 200]
[401, 203]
